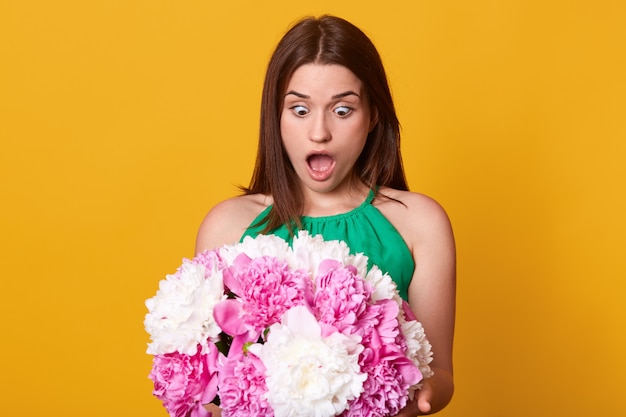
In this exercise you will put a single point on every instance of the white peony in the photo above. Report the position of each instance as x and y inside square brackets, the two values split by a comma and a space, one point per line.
[384, 287]
[418, 349]
[308, 375]
[181, 313]
[262, 245]
[309, 251]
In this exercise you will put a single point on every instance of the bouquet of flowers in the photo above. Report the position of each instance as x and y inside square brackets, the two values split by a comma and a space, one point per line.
[265, 329]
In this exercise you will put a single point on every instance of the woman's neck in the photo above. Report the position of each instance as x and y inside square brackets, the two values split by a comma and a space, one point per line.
[333, 202]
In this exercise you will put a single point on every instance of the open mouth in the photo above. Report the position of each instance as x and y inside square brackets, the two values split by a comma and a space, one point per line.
[320, 165]
[320, 162]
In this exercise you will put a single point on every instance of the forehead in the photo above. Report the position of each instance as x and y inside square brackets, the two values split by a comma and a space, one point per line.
[321, 78]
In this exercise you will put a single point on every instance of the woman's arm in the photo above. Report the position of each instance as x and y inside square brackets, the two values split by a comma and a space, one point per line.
[432, 293]
[227, 221]
[432, 297]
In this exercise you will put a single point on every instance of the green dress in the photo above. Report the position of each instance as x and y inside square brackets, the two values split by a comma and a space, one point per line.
[365, 230]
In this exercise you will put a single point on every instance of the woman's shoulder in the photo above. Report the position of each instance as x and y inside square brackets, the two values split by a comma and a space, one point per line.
[416, 216]
[407, 201]
[226, 222]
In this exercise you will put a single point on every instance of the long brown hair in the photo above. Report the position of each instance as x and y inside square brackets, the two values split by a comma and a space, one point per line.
[323, 40]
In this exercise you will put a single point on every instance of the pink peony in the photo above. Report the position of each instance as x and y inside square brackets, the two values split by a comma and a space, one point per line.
[388, 327]
[210, 259]
[341, 295]
[390, 373]
[185, 382]
[386, 387]
[242, 386]
[265, 288]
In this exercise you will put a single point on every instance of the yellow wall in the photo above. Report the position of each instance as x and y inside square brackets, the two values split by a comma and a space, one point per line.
[123, 121]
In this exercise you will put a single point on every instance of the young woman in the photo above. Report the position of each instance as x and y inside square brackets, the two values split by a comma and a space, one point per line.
[329, 162]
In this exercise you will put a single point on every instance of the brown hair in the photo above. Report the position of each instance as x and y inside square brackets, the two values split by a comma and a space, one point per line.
[323, 40]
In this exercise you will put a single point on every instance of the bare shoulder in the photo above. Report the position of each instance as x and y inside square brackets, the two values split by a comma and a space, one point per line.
[416, 216]
[226, 222]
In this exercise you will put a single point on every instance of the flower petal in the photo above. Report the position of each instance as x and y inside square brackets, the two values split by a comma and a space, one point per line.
[227, 315]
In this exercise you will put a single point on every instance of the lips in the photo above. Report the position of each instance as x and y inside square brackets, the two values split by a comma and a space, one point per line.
[320, 166]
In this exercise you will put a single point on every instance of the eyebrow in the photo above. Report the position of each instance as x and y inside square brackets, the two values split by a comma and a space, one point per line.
[335, 97]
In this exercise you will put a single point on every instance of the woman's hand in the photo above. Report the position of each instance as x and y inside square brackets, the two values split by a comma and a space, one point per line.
[434, 395]
[424, 398]
[411, 409]
[421, 404]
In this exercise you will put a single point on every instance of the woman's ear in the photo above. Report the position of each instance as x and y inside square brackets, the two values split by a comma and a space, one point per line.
[373, 118]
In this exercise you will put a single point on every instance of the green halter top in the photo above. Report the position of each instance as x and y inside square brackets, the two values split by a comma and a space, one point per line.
[365, 230]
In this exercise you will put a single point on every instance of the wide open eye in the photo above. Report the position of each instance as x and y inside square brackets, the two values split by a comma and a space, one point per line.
[300, 110]
[342, 111]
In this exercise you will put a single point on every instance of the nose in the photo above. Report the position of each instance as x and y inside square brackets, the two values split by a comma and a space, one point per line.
[319, 130]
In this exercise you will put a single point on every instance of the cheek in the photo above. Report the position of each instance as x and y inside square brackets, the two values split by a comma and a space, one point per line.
[355, 136]
[287, 129]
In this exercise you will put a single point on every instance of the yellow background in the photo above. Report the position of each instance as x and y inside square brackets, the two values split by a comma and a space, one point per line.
[123, 121]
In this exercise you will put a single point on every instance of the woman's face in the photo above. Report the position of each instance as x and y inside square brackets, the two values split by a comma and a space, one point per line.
[325, 121]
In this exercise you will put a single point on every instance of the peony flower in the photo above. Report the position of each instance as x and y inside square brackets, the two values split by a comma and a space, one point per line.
[341, 296]
[418, 349]
[390, 372]
[265, 288]
[185, 382]
[309, 252]
[180, 315]
[308, 375]
[263, 245]
[385, 392]
[384, 287]
[211, 259]
[242, 388]
[418, 346]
